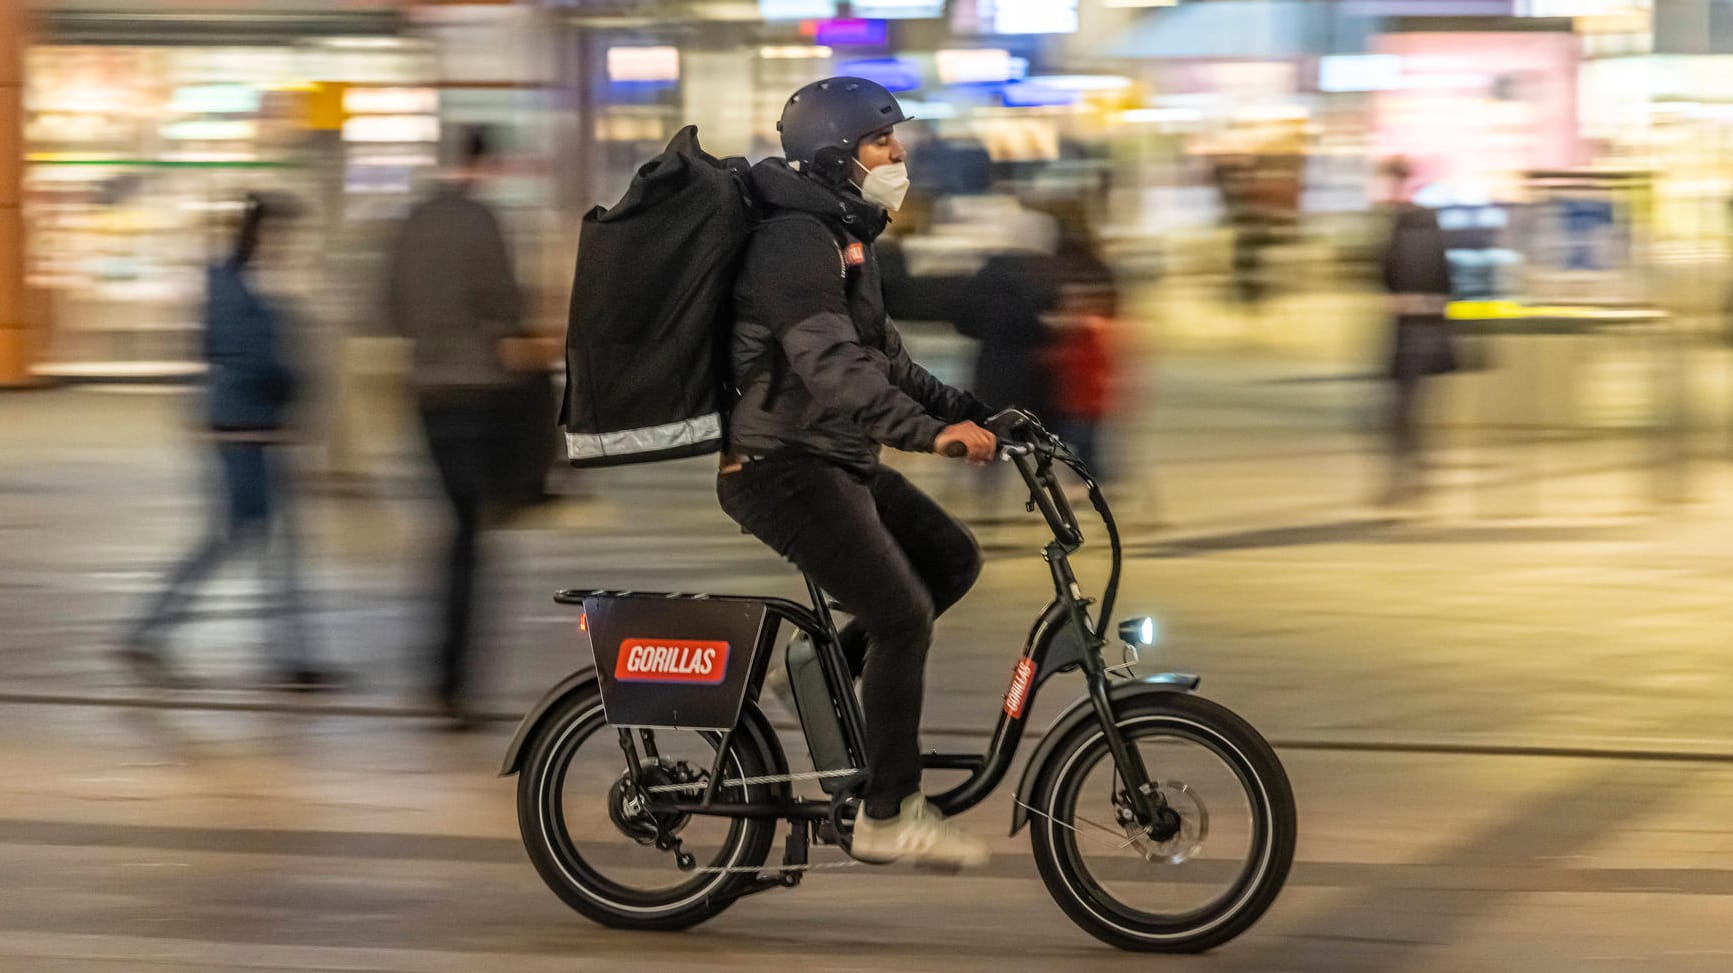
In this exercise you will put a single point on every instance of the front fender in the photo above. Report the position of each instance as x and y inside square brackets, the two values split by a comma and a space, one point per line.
[579, 681]
[1076, 715]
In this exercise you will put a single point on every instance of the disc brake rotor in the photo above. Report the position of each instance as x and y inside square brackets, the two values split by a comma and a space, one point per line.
[1185, 836]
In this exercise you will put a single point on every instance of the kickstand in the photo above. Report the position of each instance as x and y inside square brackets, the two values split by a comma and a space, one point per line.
[794, 854]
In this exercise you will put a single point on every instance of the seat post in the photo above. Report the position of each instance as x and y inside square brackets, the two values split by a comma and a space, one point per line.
[839, 682]
[820, 606]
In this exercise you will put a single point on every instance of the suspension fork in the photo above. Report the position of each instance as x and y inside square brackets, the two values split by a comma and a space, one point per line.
[1144, 797]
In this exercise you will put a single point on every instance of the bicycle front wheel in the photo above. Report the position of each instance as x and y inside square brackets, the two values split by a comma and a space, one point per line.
[1207, 868]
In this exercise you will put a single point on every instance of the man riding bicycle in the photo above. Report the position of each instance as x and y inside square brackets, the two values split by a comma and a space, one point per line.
[825, 381]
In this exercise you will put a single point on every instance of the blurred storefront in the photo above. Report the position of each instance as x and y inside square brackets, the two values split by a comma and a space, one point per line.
[143, 130]
[140, 123]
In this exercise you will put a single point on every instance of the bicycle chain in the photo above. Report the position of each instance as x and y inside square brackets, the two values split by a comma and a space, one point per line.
[743, 869]
[753, 781]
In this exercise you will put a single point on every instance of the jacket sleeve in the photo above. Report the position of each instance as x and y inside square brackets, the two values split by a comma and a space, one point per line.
[947, 402]
[495, 300]
[797, 275]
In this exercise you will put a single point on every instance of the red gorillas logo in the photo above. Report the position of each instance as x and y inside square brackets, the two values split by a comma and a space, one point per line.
[1018, 695]
[671, 660]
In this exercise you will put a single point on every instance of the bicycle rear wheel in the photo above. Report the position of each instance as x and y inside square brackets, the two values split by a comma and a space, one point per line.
[591, 834]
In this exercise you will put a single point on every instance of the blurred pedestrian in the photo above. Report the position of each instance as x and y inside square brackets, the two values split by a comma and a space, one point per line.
[1006, 300]
[1416, 274]
[999, 304]
[1252, 227]
[452, 290]
[250, 386]
[1080, 357]
[1001, 307]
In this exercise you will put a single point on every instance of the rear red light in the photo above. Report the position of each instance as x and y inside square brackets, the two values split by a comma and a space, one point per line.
[583, 621]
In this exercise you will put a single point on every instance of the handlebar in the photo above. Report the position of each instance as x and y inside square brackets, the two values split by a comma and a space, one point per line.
[1026, 444]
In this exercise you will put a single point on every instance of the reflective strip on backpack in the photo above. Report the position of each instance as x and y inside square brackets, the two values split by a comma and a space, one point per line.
[650, 439]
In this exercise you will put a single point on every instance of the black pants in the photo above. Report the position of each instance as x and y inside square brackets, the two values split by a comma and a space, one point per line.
[257, 511]
[463, 434]
[1407, 439]
[893, 558]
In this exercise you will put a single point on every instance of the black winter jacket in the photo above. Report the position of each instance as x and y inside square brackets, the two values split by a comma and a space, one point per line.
[820, 367]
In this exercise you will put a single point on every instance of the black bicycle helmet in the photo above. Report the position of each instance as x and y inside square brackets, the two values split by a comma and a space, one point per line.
[823, 123]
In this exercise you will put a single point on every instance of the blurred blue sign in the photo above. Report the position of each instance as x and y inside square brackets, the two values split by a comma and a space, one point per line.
[852, 33]
[1034, 94]
[895, 73]
[1587, 224]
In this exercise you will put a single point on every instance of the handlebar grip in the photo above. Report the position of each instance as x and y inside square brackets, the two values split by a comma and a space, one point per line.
[955, 450]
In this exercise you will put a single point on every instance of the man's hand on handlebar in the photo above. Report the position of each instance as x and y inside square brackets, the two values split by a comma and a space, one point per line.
[967, 440]
[1015, 425]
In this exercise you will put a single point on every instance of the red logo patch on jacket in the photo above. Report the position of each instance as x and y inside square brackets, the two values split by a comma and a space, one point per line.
[854, 255]
[671, 660]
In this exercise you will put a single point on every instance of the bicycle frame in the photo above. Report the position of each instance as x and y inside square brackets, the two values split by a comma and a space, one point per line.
[1064, 637]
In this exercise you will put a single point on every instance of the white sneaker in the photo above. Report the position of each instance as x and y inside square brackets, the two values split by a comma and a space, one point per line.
[920, 834]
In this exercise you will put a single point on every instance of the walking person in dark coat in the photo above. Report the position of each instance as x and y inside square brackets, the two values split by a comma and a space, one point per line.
[451, 289]
[1416, 273]
[249, 388]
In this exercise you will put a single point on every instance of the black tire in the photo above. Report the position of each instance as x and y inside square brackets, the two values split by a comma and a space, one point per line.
[547, 839]
[1271, 825]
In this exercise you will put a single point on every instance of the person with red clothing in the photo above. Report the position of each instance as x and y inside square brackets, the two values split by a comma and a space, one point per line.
[1080, 358]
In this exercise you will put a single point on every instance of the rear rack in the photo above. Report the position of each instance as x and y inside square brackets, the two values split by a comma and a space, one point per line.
[801, 616]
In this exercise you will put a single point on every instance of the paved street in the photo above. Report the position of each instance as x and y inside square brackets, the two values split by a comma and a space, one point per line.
[1509, 735]
[146, 840]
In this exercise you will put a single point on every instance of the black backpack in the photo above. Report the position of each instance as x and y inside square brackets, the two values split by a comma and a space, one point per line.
[651, 311]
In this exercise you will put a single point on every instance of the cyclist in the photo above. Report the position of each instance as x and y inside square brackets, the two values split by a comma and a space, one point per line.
[824, 381]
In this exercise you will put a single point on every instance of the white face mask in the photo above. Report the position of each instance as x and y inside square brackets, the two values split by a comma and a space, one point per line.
[886, 185]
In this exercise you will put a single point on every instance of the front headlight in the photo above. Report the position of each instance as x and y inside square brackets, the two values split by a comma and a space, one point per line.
[1139, 631]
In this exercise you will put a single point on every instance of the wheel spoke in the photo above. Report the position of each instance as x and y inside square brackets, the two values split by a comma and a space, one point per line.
[1078, 817]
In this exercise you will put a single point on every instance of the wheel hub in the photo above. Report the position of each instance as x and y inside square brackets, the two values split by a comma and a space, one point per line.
[629, 801]
[1179, 827]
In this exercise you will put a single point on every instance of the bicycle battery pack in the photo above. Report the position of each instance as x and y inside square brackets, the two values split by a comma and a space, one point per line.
[818, 717]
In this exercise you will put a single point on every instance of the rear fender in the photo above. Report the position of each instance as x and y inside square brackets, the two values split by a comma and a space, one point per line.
[582, 681]
[1076, 715]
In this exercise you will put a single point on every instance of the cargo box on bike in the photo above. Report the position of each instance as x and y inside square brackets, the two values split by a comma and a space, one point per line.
[671, 660]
